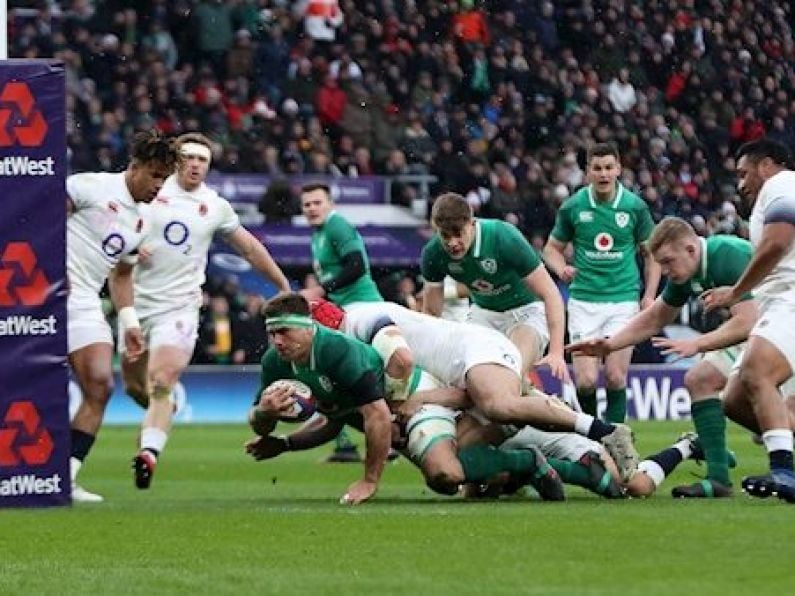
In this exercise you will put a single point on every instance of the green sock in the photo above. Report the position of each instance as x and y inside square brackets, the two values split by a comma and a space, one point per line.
[571, 472]
[343, 441]
[616, 405]
[482, 462]
[710, 425]
[587, 399]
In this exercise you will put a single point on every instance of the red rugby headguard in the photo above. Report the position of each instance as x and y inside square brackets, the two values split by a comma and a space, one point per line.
[326, 313]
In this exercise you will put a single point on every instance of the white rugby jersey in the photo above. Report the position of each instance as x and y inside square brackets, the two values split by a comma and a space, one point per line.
[439, 347]
[181, 227]
[776, 202]
[106, 226]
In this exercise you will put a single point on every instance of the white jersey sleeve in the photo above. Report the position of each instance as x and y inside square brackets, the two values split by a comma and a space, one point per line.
[775, 204]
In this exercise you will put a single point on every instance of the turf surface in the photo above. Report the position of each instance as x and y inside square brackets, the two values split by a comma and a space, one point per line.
[215, 522]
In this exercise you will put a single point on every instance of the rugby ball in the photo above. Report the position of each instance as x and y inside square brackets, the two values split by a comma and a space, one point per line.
[303, 406]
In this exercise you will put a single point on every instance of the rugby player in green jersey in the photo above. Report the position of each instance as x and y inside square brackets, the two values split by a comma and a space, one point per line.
[346, 377]
[511, 290]
[339, 259]
[693, 265]
[607, 225]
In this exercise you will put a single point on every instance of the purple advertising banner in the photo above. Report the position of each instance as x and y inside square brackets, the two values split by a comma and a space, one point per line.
[34, 422]
[393, 246]
[654, 392]
[249, 188]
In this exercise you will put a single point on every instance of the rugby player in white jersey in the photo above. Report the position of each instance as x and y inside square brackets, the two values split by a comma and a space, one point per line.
[766, 182]
[487, 365]
[104, 226]
[168, 279]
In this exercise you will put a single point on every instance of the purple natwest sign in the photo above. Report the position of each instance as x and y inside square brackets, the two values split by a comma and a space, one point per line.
[249, 188]
[654, 392]
[34, 421]
[291, 245]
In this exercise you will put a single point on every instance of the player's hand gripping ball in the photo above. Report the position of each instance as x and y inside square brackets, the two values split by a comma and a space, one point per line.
[303, 403]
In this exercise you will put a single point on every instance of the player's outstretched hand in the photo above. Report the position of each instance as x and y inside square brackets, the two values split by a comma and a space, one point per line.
[590, 347]
[359, 492]
[681, 348]
[557, 366]
[718, 297]
[312, 293]
[133, 343]
[266, 447]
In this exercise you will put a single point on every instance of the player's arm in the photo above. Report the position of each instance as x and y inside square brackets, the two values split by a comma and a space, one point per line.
[540, 283]
[777, 238]
[120, 284]
[639, 328]
[651, 274]
[251, 249]
[554, 257]
[731, 332]
[433, 298]
[315, 432]
[449, 397]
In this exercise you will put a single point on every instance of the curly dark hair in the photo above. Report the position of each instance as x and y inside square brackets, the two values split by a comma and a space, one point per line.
[152, 146]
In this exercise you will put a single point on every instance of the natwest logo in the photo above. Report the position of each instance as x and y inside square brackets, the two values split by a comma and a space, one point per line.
[21, 281]
[21, 122]
[23, 439]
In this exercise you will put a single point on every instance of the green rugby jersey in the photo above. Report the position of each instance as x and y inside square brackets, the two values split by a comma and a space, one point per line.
[723, 260]
[493, 268]
[332, 241]
[336, 364]
[605, 236]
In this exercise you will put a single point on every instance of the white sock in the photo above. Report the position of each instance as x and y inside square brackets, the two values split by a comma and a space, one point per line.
[74, 467]
[684, 447]
[653, 470]
[582, 423]
[153, 438]
[778, 439]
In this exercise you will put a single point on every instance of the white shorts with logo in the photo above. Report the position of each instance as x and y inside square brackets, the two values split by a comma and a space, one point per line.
[593, 320]
[776, 324]
[531, 315]
[86, 321]
[178, 328]
[566, 446]
[475, 346]
[427, 427]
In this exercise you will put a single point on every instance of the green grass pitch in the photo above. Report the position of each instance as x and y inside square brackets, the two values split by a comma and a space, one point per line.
[215, 522]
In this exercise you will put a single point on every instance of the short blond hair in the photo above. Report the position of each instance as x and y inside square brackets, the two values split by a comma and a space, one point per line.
[670, 229]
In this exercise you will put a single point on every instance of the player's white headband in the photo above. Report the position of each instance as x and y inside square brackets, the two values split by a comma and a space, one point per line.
[284, 321]
[190, 149]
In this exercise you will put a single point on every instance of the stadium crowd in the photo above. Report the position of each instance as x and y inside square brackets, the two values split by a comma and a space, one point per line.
[496, 98]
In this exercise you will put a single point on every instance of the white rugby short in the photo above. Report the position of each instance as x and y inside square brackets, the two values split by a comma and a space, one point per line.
[178, 328]
[86, 321]
[476, 346]
[594, 320]
[776, 324]
[531, 315]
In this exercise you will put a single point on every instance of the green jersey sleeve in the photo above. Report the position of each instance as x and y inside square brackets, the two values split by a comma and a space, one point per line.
[517, 252]
[644, 224]
[432, 261]
[731, 260]
[563, 231]
[342, 236]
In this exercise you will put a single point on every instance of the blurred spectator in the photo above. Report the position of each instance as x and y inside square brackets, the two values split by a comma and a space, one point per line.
[249, 337]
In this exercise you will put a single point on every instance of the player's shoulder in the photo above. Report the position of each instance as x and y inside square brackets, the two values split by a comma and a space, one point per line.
[577, 200]
[94, 180]
[725, 242]
[633, 200]
[779, 185]
[432, 248]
